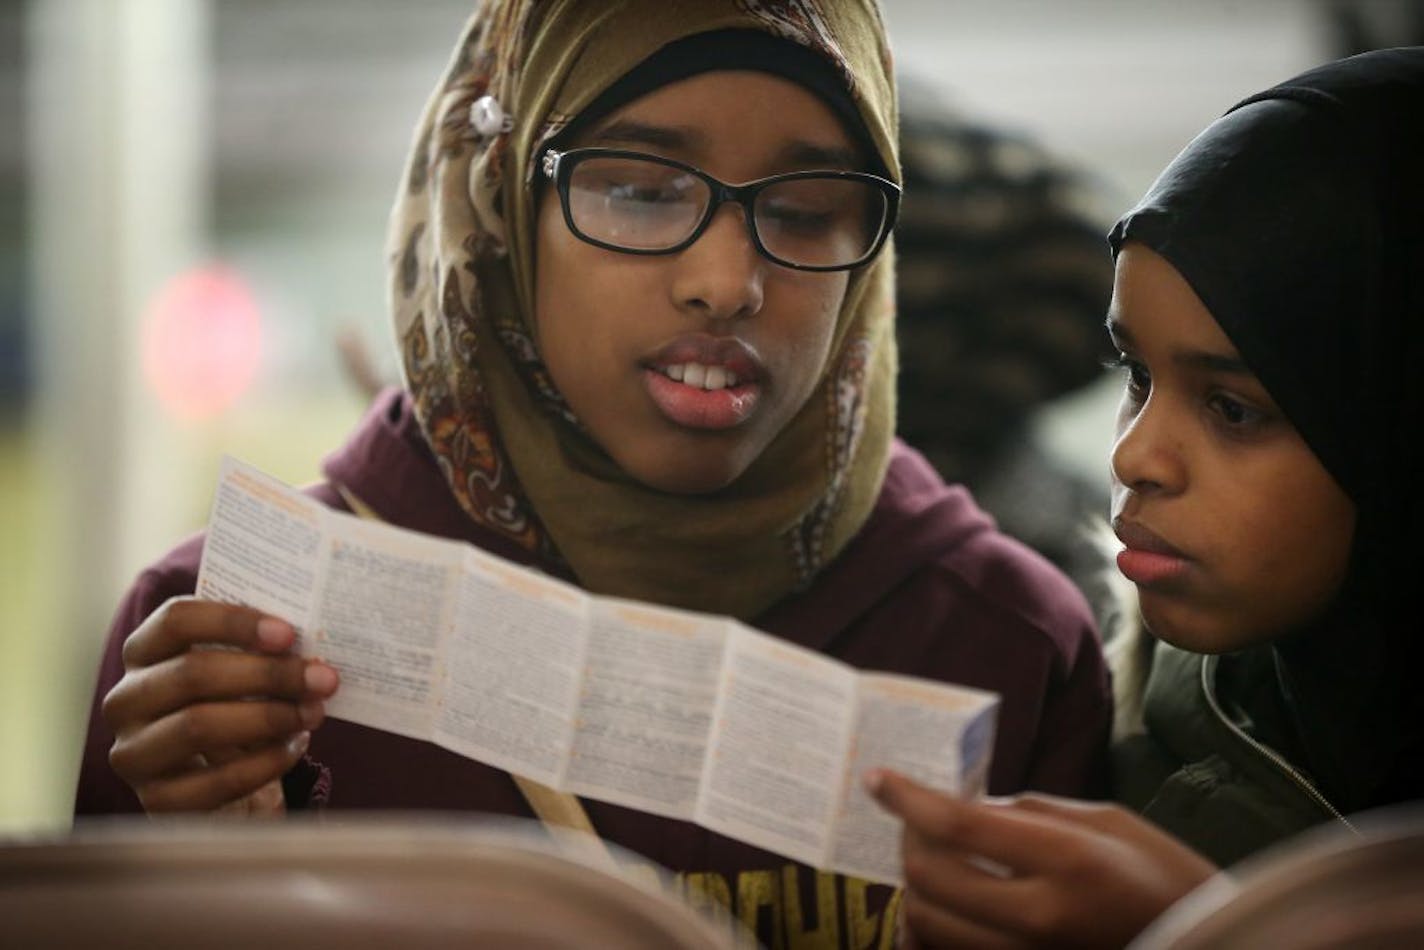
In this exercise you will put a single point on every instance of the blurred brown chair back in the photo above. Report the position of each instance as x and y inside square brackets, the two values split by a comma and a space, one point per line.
[356, 883]
[1326, 890]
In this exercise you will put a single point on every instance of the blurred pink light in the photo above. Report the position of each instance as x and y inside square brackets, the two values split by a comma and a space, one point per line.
[202, 341]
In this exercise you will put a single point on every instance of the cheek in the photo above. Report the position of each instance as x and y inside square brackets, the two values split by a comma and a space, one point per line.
[548, 270]
[569, 302]
[821, 334]
[1293, 544]
[1315, 529]
[809, 338]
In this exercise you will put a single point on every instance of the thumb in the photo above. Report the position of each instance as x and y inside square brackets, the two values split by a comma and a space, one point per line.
[919, 806]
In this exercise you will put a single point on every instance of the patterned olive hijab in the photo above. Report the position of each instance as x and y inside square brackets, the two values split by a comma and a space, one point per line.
[462, 278]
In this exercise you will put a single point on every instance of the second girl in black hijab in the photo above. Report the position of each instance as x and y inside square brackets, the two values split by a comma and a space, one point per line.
[1267, 310]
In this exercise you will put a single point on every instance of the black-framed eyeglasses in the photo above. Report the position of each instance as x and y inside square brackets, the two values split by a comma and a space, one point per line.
[644, 204]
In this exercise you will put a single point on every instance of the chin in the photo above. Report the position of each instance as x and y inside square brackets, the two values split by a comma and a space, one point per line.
[689, 463]
[1186, 628]
[687, 480]
[1198, 630]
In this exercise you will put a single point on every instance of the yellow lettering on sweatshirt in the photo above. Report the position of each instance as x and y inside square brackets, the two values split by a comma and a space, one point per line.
[786, 914]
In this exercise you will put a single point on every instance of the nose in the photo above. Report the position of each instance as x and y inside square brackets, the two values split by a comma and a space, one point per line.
[1148, 456]
[721, 276]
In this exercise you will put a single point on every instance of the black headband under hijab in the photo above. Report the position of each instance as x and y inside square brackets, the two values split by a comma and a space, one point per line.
[747, 50]
[1298, 219]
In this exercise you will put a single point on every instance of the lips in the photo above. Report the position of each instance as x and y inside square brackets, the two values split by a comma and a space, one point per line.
[704, 382]
[1147, 558]
[1140, 538]
[730, 354]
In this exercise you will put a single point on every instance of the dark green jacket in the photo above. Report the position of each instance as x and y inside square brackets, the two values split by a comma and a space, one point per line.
[1202, 770]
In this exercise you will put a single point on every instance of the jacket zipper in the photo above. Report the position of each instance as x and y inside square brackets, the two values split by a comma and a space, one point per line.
[1270, 755]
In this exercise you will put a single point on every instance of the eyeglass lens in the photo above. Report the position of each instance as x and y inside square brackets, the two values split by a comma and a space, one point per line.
[647, 206]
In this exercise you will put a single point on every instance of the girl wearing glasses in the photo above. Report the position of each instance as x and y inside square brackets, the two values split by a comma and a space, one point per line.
[1267, 309]
[641, 286]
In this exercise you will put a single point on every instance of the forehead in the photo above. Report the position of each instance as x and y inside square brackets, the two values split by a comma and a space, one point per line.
[724, 114]
[1154, 306]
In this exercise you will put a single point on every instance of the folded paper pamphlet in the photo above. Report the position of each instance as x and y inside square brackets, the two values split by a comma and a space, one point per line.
[686, 715]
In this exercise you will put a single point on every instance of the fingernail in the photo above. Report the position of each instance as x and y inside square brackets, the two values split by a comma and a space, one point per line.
[297, 745]
[319, 678]
[310, 714]
[873, 779]
[274, 634]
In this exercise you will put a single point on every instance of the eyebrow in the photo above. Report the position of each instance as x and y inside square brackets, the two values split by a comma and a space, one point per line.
[820, 156]
[629, 132]
[1198, 359]
[799, 153]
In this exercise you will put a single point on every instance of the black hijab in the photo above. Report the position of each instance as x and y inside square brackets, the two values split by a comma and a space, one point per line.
[1298, 219]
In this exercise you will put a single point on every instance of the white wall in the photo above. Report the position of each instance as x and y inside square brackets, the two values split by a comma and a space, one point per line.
[1116, 86]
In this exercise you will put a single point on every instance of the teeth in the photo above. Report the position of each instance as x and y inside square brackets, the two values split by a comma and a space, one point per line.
[702, 377]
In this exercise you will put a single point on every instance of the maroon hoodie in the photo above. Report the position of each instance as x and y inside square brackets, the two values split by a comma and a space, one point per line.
[928, 588]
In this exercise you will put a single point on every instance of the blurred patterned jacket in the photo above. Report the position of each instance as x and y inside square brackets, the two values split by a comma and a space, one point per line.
[1003, 280]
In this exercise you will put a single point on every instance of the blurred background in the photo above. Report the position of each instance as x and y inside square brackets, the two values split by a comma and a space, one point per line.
[192, 210]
